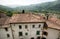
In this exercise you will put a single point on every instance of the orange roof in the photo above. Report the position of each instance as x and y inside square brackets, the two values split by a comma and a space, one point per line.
[2, 21]
[3, 15]
[58, 21]
[27, 17]
[3, 18]
[7, 21]
[55, 20]
[53, 25]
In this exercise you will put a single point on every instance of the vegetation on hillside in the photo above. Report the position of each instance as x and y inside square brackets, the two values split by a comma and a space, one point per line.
[48, 7]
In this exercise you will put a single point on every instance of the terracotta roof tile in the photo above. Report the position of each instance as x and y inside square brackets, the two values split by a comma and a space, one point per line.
[26, 18]
[55, 20]
[3, 19]
[3, 15]
[53, 25]
[7, 21]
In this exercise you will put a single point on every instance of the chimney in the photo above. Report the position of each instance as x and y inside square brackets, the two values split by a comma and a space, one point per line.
[47, 16]
[23, 11]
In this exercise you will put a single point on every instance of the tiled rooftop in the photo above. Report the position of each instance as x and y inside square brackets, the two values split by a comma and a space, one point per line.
[29, 17]
[16, 18]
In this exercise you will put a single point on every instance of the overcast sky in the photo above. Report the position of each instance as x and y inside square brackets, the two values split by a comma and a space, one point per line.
[22, 2]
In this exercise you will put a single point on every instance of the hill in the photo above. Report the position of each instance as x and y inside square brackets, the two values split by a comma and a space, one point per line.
[5, 8]
[48, 6]
[53, 7]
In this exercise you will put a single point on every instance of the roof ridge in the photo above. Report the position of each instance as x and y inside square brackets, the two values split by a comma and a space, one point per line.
[53, 22]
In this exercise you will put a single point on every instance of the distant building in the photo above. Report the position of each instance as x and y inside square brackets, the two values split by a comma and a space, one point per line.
[28, 26]
[5, 29]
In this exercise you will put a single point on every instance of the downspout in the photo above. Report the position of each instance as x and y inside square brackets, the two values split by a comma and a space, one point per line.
[12, 31]
[42, 31]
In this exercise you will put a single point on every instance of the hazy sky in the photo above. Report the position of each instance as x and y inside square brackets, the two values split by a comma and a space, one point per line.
[22, 2]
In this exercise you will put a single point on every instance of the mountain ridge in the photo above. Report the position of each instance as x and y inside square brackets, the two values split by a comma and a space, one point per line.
[48, 6]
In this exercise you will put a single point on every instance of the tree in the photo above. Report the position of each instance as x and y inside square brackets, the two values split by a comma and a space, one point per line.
[23, 11]
[9, 13]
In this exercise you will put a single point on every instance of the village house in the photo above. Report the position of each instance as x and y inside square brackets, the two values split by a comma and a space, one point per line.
[5, 30]
[29, 26]
[53, 27]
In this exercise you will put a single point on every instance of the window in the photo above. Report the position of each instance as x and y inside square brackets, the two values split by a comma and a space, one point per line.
[20, 27]
[8, 35]
[45, 26]
[39, 26]
[45, 33]
[20, 33]
[26, 33]
[6, 29]
[32, 38]
[33, 26]
[38, 33]
[38, 37]
[26, 26]
[43, 38]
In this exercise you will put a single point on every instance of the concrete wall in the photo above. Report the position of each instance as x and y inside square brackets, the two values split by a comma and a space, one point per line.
[3, 33]
[52, 33]
[31, 31]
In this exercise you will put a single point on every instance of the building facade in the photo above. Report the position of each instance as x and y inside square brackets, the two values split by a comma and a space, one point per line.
[27, 30]
[28, 26]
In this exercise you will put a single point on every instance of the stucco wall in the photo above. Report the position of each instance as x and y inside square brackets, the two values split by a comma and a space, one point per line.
[52, 33]
[31, 31]
[3, 33]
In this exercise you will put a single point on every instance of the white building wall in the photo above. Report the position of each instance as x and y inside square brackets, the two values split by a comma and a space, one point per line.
[31, 31]
[3, 33]
[52, 33]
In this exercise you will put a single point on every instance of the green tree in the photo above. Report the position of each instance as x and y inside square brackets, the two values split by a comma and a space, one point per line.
[9, 13]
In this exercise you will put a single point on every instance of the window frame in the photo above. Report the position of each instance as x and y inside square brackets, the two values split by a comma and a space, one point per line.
[33, 26]
[39, 26]
[20, 33]
[6, 29]
[45, 33]
[8, 35]
[37, 32]
[26, 26]
[26, 33]
[20, 26]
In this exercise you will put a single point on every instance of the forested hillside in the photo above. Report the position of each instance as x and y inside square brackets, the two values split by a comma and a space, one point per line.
[48, 6]
[53, 7]
[5, 9]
